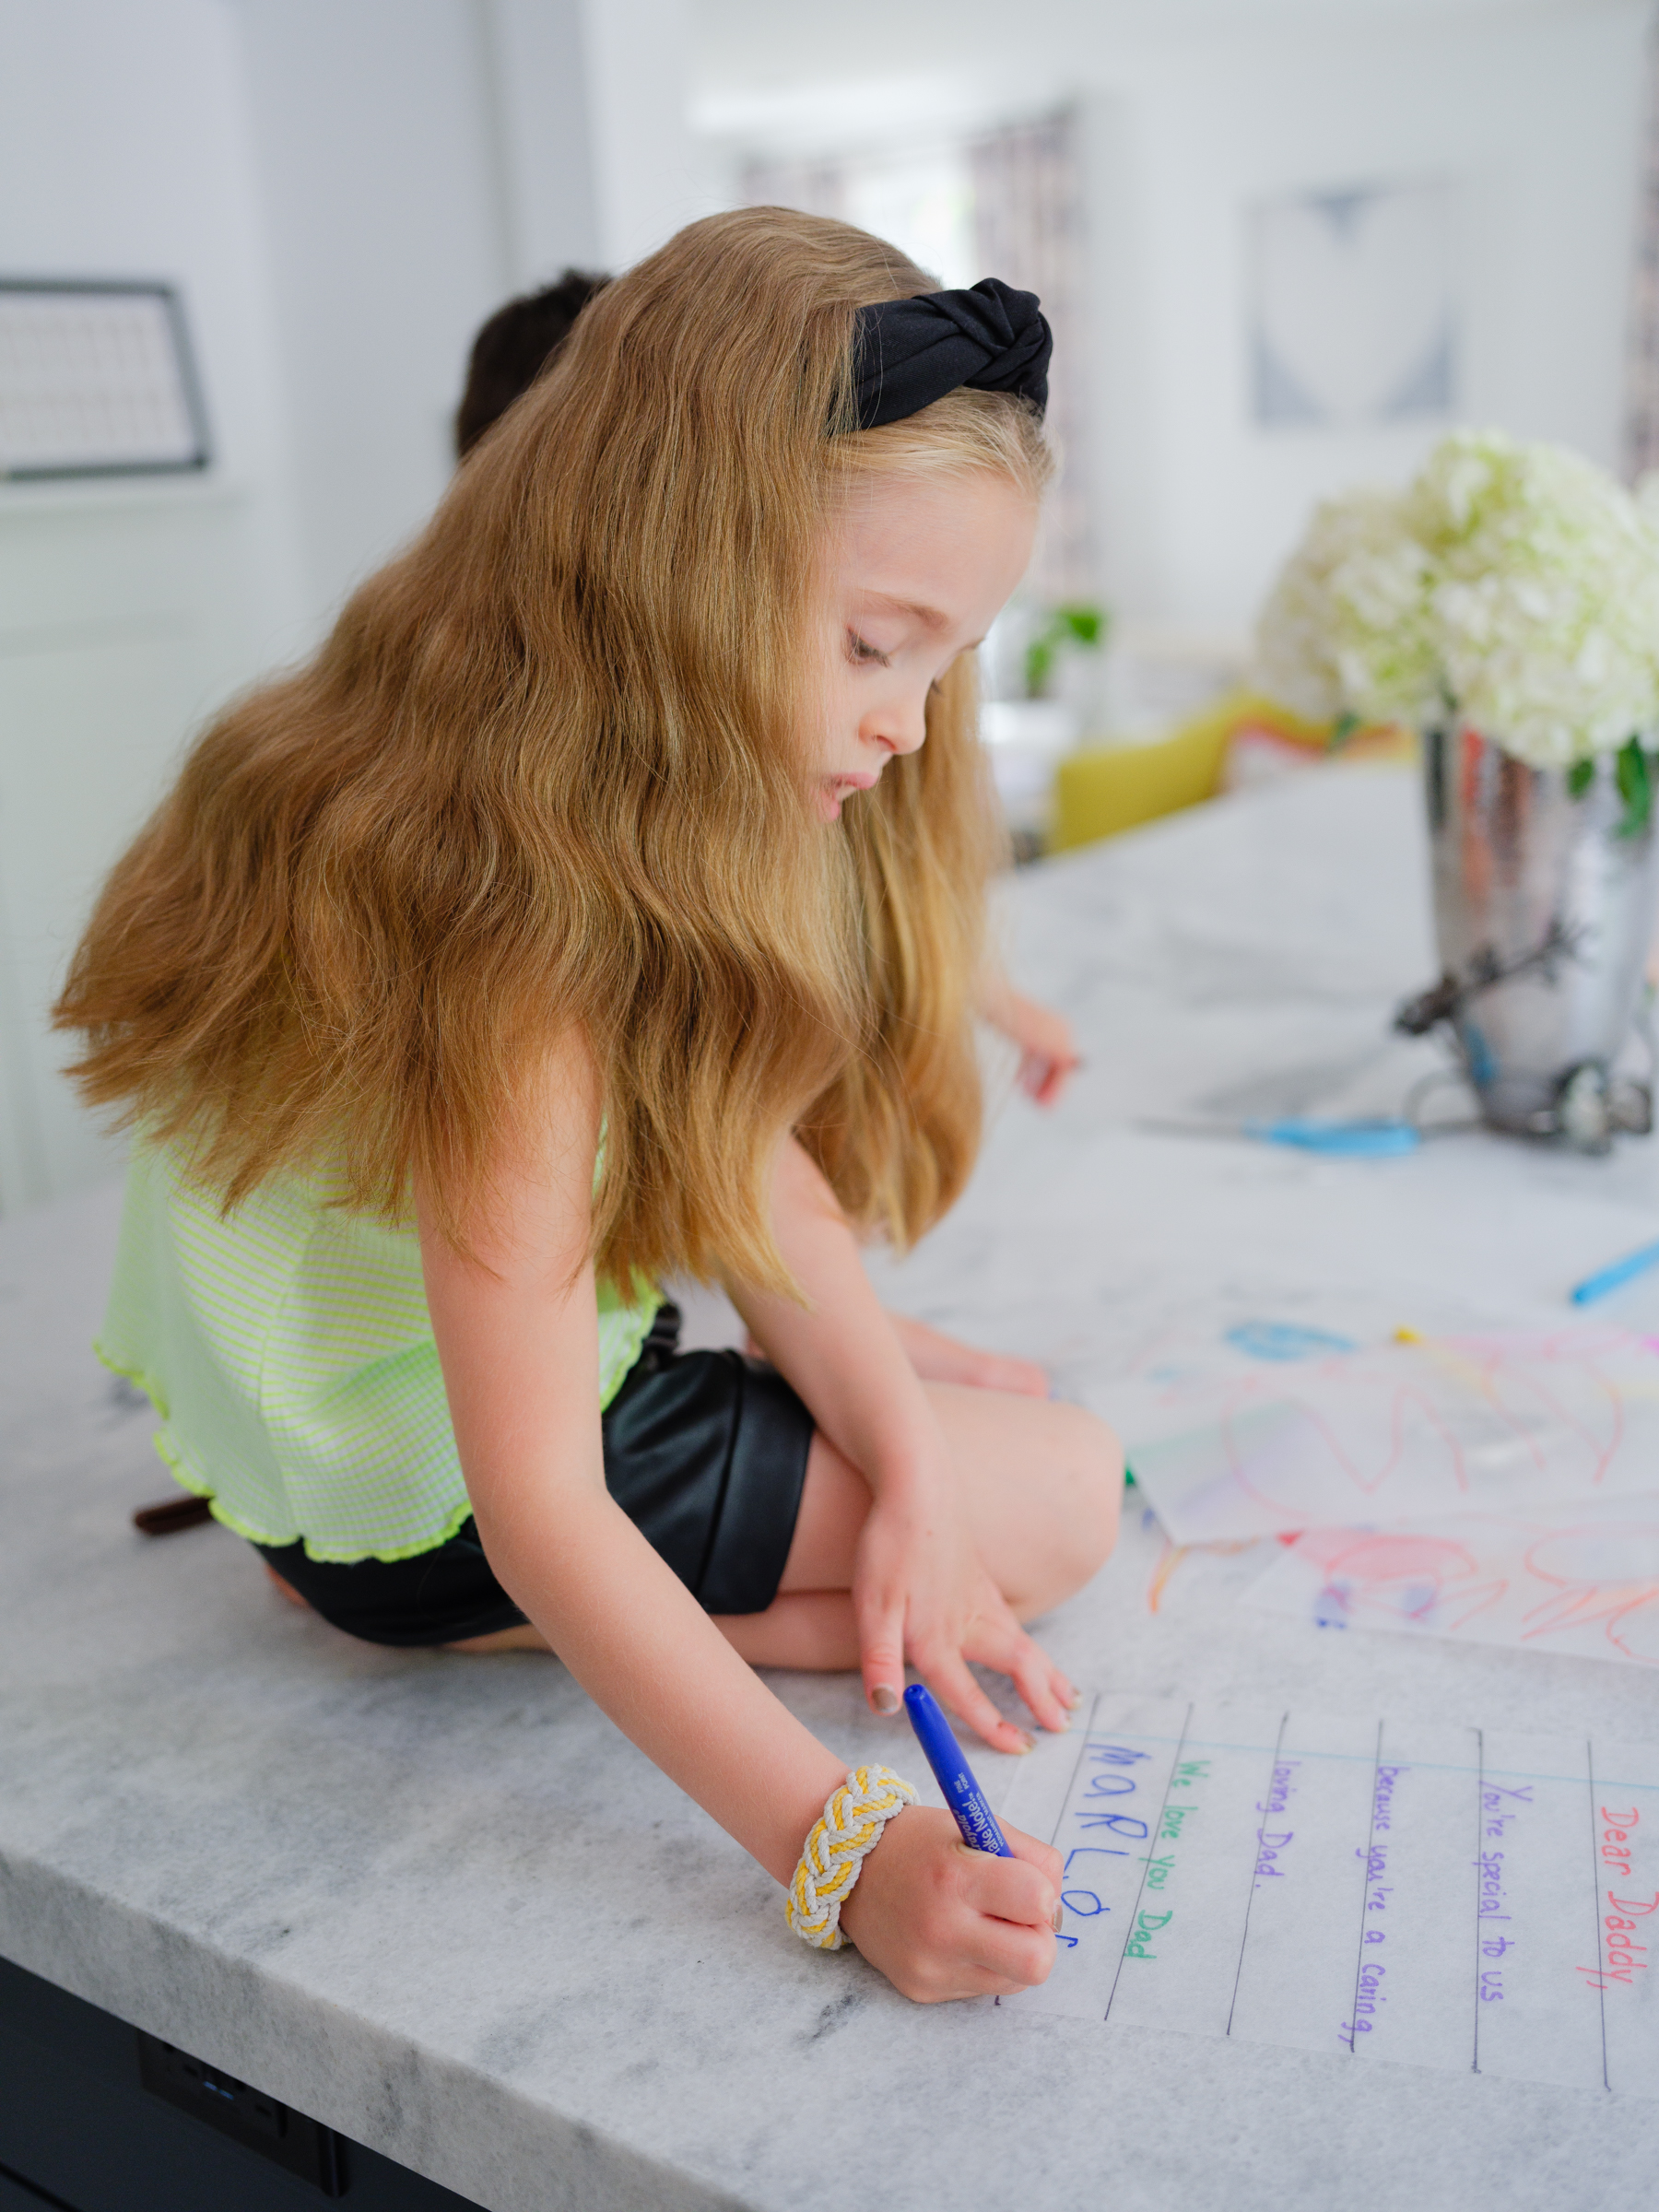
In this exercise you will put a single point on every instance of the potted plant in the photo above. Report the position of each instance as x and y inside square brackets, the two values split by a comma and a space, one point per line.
[1030, 731]
[1506, 606]
[1062, 630]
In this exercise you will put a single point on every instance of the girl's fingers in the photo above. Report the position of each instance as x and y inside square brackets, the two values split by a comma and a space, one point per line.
[1035, 1852]
[1009, 1648]
[881, 1657]
[1019, 1378]
[975, 1981]
[1019, 1953]
[1033, 1677]
[957, 1691]
[1018, 1891]
[1059, 1074]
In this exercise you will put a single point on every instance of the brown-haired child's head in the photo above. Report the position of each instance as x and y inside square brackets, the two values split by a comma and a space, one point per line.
[513, 348]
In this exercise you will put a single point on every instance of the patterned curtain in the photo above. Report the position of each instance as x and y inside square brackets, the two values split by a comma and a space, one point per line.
[1641, 384]
[1027, 220]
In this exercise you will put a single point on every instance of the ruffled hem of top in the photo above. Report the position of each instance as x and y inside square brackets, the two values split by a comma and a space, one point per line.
[328, 1555]
[641, 1310]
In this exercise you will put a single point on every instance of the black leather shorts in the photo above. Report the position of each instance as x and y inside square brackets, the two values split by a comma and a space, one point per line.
[704, 1452]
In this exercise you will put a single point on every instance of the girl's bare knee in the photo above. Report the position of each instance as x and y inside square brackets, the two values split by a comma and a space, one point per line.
[810, 1630]
[1100, 1488]
[1087, 1462]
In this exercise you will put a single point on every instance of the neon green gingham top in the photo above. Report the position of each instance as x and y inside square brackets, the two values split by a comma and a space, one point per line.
[288, 1351]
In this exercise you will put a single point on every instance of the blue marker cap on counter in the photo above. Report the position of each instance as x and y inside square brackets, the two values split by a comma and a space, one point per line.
[1609, 1278]
[954, 1775]
[1342, 1140]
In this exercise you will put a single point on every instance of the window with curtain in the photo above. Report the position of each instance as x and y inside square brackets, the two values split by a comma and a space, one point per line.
[1641, 395]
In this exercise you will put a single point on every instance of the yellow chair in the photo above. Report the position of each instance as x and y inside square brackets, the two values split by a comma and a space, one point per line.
[1105, 789]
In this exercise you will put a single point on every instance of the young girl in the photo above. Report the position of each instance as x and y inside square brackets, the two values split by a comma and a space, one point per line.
[592, 908]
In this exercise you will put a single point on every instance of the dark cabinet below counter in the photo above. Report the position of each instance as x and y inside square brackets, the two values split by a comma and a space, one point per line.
[95, 2117]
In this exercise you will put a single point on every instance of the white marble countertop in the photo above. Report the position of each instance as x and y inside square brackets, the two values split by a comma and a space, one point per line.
[443, 1905]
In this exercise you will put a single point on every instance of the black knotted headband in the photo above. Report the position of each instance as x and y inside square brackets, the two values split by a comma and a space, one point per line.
[907, 353]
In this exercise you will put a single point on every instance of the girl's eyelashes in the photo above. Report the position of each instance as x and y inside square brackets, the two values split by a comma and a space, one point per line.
[865, 656]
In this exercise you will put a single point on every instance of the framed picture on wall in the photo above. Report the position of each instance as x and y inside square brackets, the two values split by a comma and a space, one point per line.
[96, 380]
[1352, 306]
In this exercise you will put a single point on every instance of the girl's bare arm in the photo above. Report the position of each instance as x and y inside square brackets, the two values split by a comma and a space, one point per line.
[920, 1592]
[515, 1323]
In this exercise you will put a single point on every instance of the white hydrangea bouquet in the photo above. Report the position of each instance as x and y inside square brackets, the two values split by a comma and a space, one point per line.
[1511, 589]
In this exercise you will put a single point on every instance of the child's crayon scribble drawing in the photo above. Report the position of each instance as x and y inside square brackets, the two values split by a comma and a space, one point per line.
[1369, 1889]
[1405, 1433]
[1581, 1579]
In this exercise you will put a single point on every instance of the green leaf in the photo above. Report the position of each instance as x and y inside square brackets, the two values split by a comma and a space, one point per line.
[1086, 624]
[1580, 777]
[1065, 626]
[1039, 666]
[1635, 788]
[1342, 729]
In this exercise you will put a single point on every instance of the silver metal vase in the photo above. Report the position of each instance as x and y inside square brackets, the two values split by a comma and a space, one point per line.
[1544, 911]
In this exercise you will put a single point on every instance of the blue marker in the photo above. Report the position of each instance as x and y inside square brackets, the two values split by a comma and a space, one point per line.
[1609, 1278]
[1340, 1140]
[954, 1775]
[1381, 1139]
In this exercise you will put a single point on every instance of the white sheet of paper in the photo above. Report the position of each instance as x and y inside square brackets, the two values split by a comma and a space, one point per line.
[1581, 1579]
[1406, 1433]
[1445, 1896]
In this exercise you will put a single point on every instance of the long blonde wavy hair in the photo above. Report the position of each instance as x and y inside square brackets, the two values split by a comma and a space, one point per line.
[549, 772]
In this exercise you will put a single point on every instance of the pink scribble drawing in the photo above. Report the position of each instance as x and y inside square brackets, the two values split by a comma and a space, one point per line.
[1606, 1574]
[1404, 1433]
[1508, 1383]
[1395, 1443]
[1580, 1580]
[1425, 1578]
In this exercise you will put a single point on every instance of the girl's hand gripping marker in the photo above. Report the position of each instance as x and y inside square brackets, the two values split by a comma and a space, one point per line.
[953, 1774]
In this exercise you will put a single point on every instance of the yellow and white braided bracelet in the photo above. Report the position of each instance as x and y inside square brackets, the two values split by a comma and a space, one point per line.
[836, 1850]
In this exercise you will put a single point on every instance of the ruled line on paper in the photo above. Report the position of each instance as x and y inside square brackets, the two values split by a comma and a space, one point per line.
[1157, 1836]
[1077, 1767]
[1479, 1840]
[1595, 1919]
[1370, 1869]
[1255, 1867]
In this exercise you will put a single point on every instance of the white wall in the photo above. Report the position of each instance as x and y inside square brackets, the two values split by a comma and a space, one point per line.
[375, 148]
[650, 175]
[418, 160]
[126, 610]
[597, 146]
[545, 137]
[1535, 120]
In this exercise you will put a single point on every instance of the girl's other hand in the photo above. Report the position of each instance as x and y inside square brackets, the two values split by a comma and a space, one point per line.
[940, 1359]
[1048, 1051]
[921, 1593]
[941, 1921]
